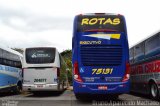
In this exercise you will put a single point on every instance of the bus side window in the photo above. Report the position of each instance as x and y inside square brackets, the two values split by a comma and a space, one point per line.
[131, 57]
[152, 46]
[139, 52]
[0, 56]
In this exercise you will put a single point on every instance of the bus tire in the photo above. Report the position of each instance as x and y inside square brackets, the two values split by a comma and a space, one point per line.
[36, 93]
[154, 92]
[19, 87]
[63, 84]
[83, 97]
[78, 97]
[115, 97]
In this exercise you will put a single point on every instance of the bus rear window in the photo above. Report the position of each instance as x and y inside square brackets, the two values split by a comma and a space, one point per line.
[40, 55]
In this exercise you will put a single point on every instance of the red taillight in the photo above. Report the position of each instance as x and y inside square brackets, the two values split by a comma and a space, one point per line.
[76, 72]
[58, 72]
[127, 73]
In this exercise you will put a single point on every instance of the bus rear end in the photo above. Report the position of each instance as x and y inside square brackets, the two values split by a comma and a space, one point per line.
[40, 69]
[100, 55]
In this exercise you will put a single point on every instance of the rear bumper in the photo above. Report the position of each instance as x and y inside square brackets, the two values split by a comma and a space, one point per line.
[92, 88]
[41, 87]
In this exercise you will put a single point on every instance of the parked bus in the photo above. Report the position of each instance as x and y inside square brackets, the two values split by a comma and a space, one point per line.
[44, 70]
[100, 55]
[10, 70]
[145, 66]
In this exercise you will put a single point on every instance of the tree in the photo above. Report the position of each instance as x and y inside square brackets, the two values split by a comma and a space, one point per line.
[67, 56]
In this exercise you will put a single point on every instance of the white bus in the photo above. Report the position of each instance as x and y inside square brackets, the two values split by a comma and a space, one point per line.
[10, 70]
[44, 70]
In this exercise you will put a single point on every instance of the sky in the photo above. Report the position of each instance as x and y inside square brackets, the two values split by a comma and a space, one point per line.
[29, 23]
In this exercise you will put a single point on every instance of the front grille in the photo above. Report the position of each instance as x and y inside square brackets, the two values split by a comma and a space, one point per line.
[100, 55]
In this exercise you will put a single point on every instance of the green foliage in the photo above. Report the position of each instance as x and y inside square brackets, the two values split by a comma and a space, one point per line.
[67, 56]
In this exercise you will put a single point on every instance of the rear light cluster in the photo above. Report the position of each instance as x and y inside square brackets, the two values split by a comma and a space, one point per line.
[127, 73]
[76, 73]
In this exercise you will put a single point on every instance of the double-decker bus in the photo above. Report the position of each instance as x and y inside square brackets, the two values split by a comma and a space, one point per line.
[100, 55]
[10, 70]
[44, 70]
[145, 66]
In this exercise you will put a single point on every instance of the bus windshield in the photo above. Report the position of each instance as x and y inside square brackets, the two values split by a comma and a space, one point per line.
[40, 55]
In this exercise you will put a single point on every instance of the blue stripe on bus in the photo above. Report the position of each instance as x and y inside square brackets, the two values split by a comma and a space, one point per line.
[139, 57]
[7, 80]
[147, 56]
[8, 68]
[153, 53]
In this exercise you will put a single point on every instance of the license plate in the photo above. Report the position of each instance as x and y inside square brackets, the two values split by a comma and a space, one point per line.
[102, 87]
[40, 86]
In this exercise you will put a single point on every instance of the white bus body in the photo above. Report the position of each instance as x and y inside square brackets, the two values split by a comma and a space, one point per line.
[43, 69]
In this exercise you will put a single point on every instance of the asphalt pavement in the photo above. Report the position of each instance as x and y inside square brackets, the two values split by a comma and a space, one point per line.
[67, 98]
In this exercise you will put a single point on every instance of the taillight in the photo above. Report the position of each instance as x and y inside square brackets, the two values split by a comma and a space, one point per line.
[127, 73]
[76, 73]
[58, 72]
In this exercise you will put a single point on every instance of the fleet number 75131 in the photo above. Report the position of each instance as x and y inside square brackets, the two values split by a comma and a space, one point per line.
[102, 71]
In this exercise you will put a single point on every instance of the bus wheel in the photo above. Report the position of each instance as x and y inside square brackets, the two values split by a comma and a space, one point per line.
[115, 97]
[83, 97]
[77, 96]
[80, 97]
[63, 84]
[19, 88]
[154, 91]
